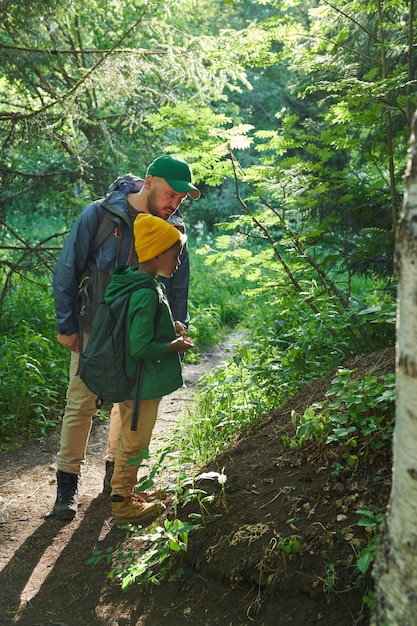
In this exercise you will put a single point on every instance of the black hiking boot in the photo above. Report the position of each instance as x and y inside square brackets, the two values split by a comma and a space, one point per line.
[66, 502]
[107, 477]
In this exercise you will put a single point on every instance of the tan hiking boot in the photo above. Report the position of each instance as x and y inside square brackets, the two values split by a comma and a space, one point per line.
[150, 495]
[134, 510]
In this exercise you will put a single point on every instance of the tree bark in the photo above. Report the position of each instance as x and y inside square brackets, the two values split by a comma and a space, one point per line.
[395, 568]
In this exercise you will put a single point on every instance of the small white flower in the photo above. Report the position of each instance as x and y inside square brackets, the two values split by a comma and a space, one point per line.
[222, 479]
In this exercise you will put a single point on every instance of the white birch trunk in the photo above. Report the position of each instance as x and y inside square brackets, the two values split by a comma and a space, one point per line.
[395, 569]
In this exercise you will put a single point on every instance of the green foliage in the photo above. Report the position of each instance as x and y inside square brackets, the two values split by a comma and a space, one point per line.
[29, 359]
[82, 90]
[340, 77]
[205, 329]
[215, 206]
[226, 404]
[216, 304]
[371, 521]
[289, 545]
[33, 369]
[158, 557]
[358, 416]
[330, 578]
[317, 195]
[161, 547]
[286, 341]
[156, 560]
[322, 185]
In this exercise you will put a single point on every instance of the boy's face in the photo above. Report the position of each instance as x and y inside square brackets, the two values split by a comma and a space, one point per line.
[162, 199]
[169, 261]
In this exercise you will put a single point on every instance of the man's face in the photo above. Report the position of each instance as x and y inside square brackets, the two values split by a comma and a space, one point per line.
[163, 200]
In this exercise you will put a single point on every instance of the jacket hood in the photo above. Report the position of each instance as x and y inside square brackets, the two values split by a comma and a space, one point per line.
[128, 183]
[123, 278]
[115, 200]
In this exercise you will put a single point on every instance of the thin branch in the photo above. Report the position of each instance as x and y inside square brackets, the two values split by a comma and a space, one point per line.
[80, 82]
[342, 46]
[31, 248]
[351, 19]
[26, 247]
[56, 51]
[410, 66]
[390, 148]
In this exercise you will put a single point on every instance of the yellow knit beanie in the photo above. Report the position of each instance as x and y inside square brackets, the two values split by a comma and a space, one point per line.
[153, 235]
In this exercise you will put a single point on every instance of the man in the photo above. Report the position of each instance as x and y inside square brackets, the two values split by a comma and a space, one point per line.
[80, 279]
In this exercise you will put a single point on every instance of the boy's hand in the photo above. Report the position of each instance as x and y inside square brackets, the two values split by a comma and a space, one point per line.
[180, 344]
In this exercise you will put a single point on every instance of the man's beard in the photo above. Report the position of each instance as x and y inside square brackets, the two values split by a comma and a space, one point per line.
[152, 208]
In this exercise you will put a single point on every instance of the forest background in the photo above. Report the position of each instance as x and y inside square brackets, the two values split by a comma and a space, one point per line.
[295, 117]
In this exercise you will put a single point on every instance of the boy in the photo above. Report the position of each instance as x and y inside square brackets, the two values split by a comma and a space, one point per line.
[158, 245]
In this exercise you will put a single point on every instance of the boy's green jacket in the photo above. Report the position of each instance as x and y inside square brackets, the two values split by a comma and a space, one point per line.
[162, 373]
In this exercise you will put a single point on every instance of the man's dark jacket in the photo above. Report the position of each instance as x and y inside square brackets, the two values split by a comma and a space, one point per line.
[78, 262]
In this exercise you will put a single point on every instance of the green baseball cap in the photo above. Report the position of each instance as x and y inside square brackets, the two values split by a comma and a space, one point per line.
[177, 174]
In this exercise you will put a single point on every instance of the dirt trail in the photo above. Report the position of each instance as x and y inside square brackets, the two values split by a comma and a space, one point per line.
[238, 570]
[27, 487]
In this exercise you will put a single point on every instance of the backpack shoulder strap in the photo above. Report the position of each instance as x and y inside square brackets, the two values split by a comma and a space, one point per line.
[139, 373]
[159, 305]
[109, 223]
[149, 285]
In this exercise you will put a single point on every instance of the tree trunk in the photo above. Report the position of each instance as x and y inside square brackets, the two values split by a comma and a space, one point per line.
[395, 569]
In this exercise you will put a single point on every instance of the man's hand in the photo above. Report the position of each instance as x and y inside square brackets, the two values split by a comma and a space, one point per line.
[70, 341]
[181, 330]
